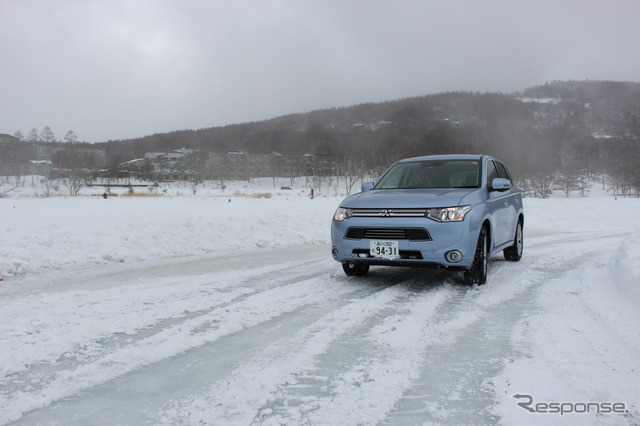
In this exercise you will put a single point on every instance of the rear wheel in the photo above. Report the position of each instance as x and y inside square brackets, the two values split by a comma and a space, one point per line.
[477, 274]
[355, 269]
[514, 253]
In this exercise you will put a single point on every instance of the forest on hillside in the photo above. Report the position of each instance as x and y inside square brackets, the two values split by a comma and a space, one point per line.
[564, 134]
[561, 135]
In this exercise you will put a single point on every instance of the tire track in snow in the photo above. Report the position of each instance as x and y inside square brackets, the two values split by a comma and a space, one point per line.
[457, 381]
[465, 347]
[81, 327]
[251, 306]
[466, 313]
[233, 399]
[558, 344]
[190, 372]
[356, 378]
[398, 352]
[418, 345]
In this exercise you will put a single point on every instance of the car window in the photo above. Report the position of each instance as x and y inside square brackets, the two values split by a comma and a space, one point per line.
[502, 171]
[506, 169]
[432, 174]
[397, 176]
[492, 172]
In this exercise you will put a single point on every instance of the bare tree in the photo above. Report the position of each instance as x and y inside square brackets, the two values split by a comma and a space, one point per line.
[349, 171]
[71, 137]
[584, 183]
[6, 186]
[317, 183]
[48, 184]
[47, 134]
[74, 183]
[567, 182]
[542, 184]
[33, 136]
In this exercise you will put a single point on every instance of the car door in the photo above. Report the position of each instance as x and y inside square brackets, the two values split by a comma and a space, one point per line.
[510, 204]
[500, 206]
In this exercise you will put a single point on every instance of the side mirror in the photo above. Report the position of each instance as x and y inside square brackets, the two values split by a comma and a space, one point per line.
[500, 184]
[367, 186]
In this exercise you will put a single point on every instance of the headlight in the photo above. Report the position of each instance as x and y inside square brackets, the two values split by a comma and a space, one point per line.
[449, 214]
[342, 214]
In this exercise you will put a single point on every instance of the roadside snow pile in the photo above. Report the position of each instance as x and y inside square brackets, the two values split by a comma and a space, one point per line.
[33, 187]
[578, 346]
[596, 212]
[80, 232]
[625, 267]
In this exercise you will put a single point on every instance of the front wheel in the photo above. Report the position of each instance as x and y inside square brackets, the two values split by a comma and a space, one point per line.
[514, 253]
[355, 269]
[477, 274]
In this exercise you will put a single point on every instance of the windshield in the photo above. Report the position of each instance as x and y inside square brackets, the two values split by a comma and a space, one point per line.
[432, 174]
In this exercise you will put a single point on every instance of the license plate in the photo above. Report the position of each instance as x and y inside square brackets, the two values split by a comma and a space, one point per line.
[384, 249]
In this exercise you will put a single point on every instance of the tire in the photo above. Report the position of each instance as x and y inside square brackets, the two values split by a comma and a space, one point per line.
[355, 269]
[477, 274]
[514, 253]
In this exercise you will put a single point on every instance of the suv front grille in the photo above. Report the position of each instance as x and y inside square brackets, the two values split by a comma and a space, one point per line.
[389, 212]
[414, 234]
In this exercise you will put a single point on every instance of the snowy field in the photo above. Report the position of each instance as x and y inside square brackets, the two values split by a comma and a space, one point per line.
[167, 223]
[226, 308]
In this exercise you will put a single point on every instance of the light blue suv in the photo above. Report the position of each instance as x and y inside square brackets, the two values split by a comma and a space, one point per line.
[446, 211]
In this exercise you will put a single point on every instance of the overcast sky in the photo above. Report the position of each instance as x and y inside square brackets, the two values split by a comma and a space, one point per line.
[116, 69]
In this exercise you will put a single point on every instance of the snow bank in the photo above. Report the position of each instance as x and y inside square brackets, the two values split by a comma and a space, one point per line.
[577, 346]
[32, 187]
[625, 267]
[88, 231]
[55, 233]
[600, 212]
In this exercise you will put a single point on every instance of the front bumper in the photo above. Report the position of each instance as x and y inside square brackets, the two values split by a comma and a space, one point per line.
[442, 238]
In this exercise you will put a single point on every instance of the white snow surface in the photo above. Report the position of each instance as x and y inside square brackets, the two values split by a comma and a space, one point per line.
[221, 308]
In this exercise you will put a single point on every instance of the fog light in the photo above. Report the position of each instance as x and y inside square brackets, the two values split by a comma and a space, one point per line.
[454, 256]
[334, 252]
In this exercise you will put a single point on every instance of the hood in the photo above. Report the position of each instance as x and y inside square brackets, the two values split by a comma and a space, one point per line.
[406, 198]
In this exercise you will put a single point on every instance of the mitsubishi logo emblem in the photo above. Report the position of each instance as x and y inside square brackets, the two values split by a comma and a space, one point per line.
[386, 213]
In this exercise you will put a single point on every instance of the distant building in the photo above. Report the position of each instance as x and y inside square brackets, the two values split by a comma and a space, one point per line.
[12, 156]
[159, 166]
[186, 164]
[243, 166]
[5, 138]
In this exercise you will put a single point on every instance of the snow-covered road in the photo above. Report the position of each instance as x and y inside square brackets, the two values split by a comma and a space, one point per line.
[273, 333]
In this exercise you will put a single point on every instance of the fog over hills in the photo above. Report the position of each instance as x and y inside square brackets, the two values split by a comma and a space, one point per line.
[573, 127]
[563, 134]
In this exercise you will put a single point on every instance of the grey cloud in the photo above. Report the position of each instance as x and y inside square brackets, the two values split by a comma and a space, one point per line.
[119, 69]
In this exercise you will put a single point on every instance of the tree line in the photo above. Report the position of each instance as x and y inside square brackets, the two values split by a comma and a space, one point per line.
[46, 135]
[561, 135]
